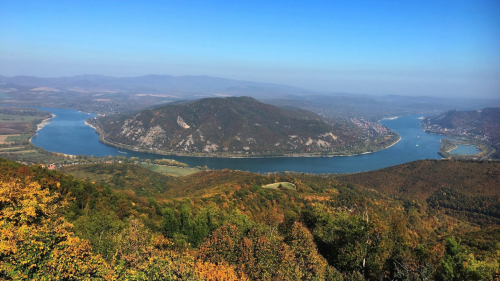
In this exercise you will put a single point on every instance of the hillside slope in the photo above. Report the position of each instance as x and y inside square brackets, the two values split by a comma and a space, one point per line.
[462, 187]
[236, 125]
[482, 125]
[228, 223]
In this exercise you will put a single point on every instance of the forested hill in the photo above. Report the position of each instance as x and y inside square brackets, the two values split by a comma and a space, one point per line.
[483, 125]
[129, 224]
[238, 126]
[465, 187]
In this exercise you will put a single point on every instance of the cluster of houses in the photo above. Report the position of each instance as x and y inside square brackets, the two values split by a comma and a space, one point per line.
[458, 132]
[50, 167]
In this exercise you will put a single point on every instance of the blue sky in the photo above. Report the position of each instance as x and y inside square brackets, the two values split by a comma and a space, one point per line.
[442, 48]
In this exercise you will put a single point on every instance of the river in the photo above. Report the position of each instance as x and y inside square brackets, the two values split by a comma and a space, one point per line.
[67, 133]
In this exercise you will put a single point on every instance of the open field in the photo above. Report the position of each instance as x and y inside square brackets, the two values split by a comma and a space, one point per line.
[18, 149]
[13, 138]
[16, 138]
[7, 118]
[31, 154]
[175, 171]
[4, 138]
[16, 124]
[283, 184]
[21, 151]
[11, 148]
[12, 128]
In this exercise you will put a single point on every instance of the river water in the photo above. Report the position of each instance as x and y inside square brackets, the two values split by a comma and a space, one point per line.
[465, 149]
[67, 133]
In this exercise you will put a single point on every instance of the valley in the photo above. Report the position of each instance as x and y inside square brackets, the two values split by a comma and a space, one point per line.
[132, 215]
[244, 140]
[68, 126]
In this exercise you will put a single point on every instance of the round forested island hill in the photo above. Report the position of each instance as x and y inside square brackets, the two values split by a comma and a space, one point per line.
[240, 126]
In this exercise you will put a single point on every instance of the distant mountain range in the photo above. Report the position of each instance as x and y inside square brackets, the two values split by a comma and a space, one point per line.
[236, 125]
[112, 95]
[184, 85]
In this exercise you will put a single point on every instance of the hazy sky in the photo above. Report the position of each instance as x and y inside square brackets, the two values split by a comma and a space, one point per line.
[446, 48]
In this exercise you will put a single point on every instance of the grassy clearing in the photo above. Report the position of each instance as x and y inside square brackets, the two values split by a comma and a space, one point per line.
[284, 184]
[81, 174]
[30, 154]
[175, 171]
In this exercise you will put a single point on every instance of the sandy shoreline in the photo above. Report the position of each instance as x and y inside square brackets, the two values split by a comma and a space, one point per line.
[390, 118]
[44, 122]
[369, 152]
[394, 143]
[90, 125]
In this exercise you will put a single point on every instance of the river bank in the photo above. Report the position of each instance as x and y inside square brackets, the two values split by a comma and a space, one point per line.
[90, 125]
[44, 122]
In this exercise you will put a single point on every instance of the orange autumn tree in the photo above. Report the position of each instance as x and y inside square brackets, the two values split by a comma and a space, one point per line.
[142, 255]
[35, 243]
[264, 257]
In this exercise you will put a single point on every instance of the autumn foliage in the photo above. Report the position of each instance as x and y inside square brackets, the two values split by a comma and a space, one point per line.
[36, 243]
[53, 226]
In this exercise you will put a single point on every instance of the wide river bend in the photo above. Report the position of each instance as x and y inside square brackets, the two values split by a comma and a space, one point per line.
[67, 133]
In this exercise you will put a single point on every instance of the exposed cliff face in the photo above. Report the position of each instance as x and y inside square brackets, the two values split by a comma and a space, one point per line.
[231, 125]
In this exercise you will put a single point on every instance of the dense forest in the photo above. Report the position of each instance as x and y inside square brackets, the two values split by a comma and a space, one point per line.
[468, 189]
[124, 222]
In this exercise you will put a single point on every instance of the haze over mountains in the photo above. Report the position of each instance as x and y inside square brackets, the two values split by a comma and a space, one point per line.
[114, 95]
[180, 85]
[109, 173]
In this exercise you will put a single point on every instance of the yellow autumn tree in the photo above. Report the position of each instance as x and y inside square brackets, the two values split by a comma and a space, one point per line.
[142, 255]
[35, 243]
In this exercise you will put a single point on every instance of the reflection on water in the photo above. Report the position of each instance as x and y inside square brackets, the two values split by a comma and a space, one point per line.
[68, 134]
